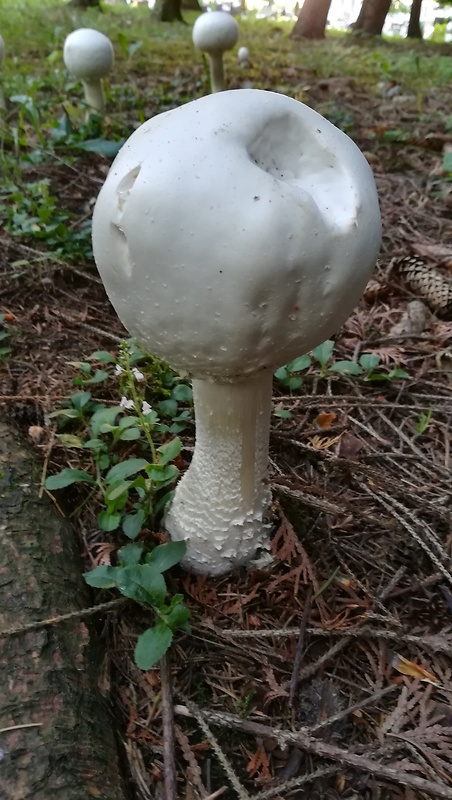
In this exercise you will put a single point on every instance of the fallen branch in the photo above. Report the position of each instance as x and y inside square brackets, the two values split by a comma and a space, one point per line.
[294, 679]
[202, 720]
[436, 642]
[169, 749]
[316, 747]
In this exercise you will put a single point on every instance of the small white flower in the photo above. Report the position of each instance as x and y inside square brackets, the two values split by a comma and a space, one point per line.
[126, 403]
[137, 374]
[118, 369]
[146, 408]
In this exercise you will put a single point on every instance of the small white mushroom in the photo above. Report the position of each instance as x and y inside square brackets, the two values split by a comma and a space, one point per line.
[88, 55]
[2, 54]
[214, 32]
[233, 234]
[243, 57]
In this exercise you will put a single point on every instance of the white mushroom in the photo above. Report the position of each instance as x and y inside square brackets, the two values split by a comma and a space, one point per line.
[232, 235]
[214, 32]
[2, 53]
[243, 57]
[88, 55]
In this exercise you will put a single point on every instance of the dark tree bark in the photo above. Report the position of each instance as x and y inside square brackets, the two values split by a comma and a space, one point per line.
[372, 16]
[56, 731]
[192, 5]
[311, 22]
[167, 11]
[85, 3]
[414, 25]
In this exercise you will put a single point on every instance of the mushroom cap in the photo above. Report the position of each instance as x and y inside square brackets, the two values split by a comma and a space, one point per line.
[243, 53]
[215, 31]
[88, 54]
[236, 232]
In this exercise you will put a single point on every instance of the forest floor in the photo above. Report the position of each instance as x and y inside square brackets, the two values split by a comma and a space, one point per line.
[330, 674]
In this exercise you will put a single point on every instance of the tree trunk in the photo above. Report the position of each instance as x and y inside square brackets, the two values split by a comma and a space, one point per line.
[372, 16]
[167, 11]
[311, 20]
[56, 732]
[85, 3]
[414, 25]
[191, 5]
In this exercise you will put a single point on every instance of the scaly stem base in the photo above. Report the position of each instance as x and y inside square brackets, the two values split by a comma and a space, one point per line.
[220, 504]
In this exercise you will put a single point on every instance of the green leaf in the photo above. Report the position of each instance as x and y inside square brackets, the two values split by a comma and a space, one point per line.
[281, 374]
[398, 373]
[70, 441]
[152, 645]
[447, 161]
[69, 413]
[283, 413]
[377, 376]
[162, 502]
[169, 450]
[105, 416]
[103, 356]
[103, 461]
[103, 577]
[133, 47]
[178, 616]
[94, 444]
[346, 367]
[107, 521]
[80, 399]
[133, 523]
[143, 583]
[126, 468]
[130, 554]
[294, 382]
[123, 42]
[323, 352]
[99, 376]
[115, 490]
[166, 555]
[163, 474]
[176, 427]
[369, 361]
[168, 407]
[103, 147]
[127, 422]
[299, 364]
[182, 393]
[67, 477]
[130, 435]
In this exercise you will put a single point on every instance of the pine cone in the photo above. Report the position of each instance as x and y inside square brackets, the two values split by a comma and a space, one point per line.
[428, 283]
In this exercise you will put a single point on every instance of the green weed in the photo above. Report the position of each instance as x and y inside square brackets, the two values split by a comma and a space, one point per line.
[320, 361]
[143, 581]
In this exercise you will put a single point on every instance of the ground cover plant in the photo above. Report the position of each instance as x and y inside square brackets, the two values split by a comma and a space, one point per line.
[326, 673]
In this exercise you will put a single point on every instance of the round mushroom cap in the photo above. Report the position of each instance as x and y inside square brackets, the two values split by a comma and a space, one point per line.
[215, 31]
[236, 232]
[243, 53]
[88, 54]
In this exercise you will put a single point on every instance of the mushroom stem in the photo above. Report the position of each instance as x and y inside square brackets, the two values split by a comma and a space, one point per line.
[220, 504]
[94, 95]
[216, 71]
